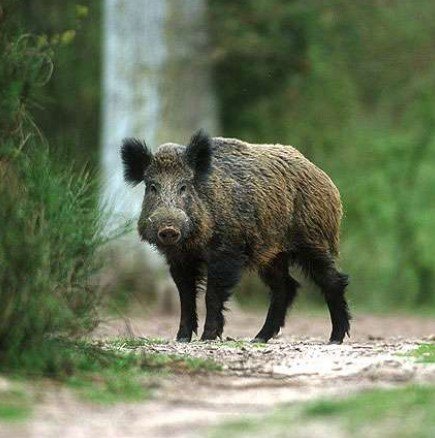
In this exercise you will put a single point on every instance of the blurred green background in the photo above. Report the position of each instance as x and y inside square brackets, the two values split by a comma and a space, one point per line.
[350, 84]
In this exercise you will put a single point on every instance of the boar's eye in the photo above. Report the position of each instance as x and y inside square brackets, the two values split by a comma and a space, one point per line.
[152, 188]
[182, 189]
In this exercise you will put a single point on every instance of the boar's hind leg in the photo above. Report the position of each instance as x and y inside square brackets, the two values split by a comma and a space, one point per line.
[283, 291]
[185, 275]
[321, 268]
[224, 272]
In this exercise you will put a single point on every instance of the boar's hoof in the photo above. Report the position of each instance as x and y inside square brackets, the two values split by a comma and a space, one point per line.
[183, 340]
[337, 336]
[335, 342]
[184, 337]
[209, 336]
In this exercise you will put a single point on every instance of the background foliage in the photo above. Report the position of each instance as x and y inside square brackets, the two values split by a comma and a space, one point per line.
[69, 106]
[351, 84]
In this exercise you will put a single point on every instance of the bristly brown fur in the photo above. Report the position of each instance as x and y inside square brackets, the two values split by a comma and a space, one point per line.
[273, 198]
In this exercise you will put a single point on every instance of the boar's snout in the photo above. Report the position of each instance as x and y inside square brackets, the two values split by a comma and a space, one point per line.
[169, 235]
[164, 226]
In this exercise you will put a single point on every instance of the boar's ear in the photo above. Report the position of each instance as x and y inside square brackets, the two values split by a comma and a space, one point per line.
[198, 153]
[136, 157]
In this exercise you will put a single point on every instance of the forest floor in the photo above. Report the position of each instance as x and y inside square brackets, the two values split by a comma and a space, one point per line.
[253, 381]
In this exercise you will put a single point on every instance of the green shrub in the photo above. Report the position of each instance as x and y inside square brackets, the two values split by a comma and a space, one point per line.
[50, 235]
[50, 225]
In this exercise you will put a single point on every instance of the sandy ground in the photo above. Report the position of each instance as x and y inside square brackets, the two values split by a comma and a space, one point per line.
[297, 366]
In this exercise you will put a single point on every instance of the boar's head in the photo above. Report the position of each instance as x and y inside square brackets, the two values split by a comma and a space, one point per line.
[172, 211]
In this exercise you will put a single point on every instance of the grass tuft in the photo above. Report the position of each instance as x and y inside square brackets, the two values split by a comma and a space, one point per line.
[14, 406]
[425, 353]
[242, 344]
[136, 342]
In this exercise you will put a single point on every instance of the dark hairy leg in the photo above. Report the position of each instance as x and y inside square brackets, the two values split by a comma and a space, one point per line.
[333, 292]
[283, 290]
[224, 272]
[186, 274]
[322, 270]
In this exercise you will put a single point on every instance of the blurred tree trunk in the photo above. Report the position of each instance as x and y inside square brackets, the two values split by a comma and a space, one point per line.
[156, 86]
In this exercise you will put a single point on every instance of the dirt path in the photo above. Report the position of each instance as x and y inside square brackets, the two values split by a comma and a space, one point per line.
[296, 367]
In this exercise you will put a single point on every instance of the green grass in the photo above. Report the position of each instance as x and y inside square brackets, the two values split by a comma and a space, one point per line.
[100, 373]
[109, 387]
[196, 365]
[129, 376]
[242, 344]
[402, 412]
[424, 353]
[175, 362]
[97, 374]
[376, 404]
[398, 412]
[108, 376]
[136, 342]
[14, 406]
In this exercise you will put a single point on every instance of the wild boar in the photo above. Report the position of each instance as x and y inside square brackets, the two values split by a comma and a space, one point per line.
[218, 206]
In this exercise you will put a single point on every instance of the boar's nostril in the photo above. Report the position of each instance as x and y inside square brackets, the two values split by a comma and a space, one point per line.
[169, 235]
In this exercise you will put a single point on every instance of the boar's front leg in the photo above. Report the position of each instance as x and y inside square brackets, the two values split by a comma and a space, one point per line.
[185, 274]
[224, 272]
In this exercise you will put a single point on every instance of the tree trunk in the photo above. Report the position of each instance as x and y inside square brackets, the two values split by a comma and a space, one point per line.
[156, 86]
